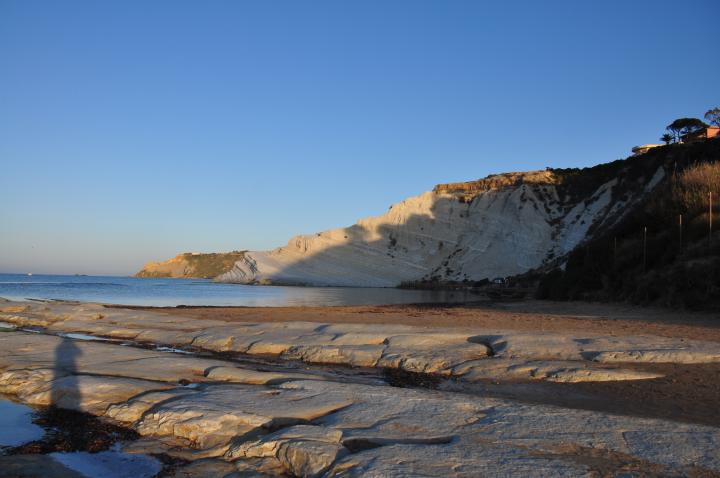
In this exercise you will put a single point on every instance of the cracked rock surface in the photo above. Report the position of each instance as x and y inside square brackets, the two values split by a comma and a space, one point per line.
[228, 417]
[467, 354]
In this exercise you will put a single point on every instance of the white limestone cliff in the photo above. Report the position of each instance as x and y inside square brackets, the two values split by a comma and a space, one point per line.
[500, 226]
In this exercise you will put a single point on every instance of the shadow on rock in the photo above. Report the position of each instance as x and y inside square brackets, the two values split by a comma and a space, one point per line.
[65, 392]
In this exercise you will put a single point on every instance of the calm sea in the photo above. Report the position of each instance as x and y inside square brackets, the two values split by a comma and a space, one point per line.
[171, 292]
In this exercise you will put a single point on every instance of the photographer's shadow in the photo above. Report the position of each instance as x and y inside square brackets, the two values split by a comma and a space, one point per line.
[65, 392]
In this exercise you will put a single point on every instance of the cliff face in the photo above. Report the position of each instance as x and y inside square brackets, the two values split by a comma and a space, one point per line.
[498, 226]
[192, 265]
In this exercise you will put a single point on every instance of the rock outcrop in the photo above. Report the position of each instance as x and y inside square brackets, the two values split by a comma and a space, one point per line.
[192, 265]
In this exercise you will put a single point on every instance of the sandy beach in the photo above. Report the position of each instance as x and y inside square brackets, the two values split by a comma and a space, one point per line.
[528, 315]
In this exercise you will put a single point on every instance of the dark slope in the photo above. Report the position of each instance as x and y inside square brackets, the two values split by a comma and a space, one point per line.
[666, 265]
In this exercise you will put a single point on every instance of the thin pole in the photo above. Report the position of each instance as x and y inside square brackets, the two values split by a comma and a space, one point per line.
[710, 220]
[680, 231]
[644, 247]
[615, 251]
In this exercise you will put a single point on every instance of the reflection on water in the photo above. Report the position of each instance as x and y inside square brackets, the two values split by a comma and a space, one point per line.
[171, 292]
[79, 336]
[16, 426]
[110, 464]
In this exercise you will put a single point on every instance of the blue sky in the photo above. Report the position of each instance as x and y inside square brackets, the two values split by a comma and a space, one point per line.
[131, 131]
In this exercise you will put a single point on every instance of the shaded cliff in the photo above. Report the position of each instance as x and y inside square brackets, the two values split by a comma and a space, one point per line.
[192, 265]
[502, 225]
[650, 256]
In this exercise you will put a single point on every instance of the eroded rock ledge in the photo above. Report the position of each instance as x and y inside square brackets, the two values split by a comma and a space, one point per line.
[228, 418]
[470, 355]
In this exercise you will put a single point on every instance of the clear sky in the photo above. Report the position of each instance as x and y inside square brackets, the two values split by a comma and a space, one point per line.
[134, 130]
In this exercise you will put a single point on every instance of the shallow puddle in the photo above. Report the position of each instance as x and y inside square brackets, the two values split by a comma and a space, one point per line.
[17, 429]
[172, 350]
[110, 464]
[79, 336]
[16, 426]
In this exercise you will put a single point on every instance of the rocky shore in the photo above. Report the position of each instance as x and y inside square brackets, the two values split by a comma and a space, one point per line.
[230, 398]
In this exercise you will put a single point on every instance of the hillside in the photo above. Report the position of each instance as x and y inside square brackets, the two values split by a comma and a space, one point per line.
[503, 225]
[651, 256]
[192, 265]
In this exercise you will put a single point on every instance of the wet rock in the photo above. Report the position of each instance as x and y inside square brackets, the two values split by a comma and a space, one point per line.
[69, 431]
